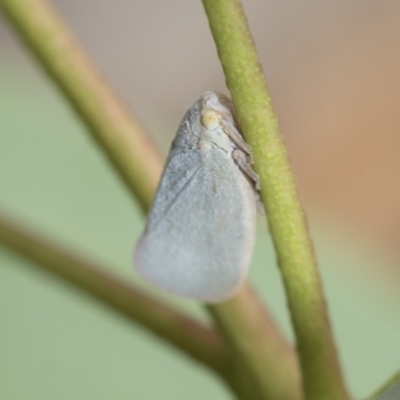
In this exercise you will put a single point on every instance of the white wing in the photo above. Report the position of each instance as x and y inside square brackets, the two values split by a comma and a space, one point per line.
[200, 232]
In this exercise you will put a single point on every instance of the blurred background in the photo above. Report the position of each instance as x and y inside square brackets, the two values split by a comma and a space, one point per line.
[333, 69]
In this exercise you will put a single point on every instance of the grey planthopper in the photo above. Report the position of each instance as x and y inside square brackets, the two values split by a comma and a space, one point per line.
[200, 233]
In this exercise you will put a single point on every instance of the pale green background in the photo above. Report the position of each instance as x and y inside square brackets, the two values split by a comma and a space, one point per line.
[56, 343]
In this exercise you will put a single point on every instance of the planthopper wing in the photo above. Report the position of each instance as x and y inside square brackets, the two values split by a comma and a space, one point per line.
[200, 232]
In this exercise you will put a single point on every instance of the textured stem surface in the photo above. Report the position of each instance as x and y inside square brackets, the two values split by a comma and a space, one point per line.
[322, 377]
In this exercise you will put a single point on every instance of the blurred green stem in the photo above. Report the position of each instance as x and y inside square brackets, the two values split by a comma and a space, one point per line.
[261, 364]
[116, 131]
[200, 342]
[322, 377]
[257, 346]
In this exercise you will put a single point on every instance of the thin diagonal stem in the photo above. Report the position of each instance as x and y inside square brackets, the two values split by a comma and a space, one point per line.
[201, 343]
[113, 128]
[322, 377]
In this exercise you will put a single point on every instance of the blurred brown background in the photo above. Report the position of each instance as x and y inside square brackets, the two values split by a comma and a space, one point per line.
[333, 69]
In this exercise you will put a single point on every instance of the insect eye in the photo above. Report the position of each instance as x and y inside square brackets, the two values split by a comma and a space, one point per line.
[210, 119]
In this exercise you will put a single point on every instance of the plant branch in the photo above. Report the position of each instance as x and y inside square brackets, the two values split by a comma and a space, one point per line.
[201, 343]
[322, 377]
[117, 132]
[273, 371]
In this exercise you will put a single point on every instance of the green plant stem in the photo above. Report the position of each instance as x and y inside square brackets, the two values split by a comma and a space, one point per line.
[117, 132]
[322, 377]
[256, 344]
[201, 343]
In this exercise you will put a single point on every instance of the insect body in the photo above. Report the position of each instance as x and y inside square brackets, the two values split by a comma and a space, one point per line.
[200, 232]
